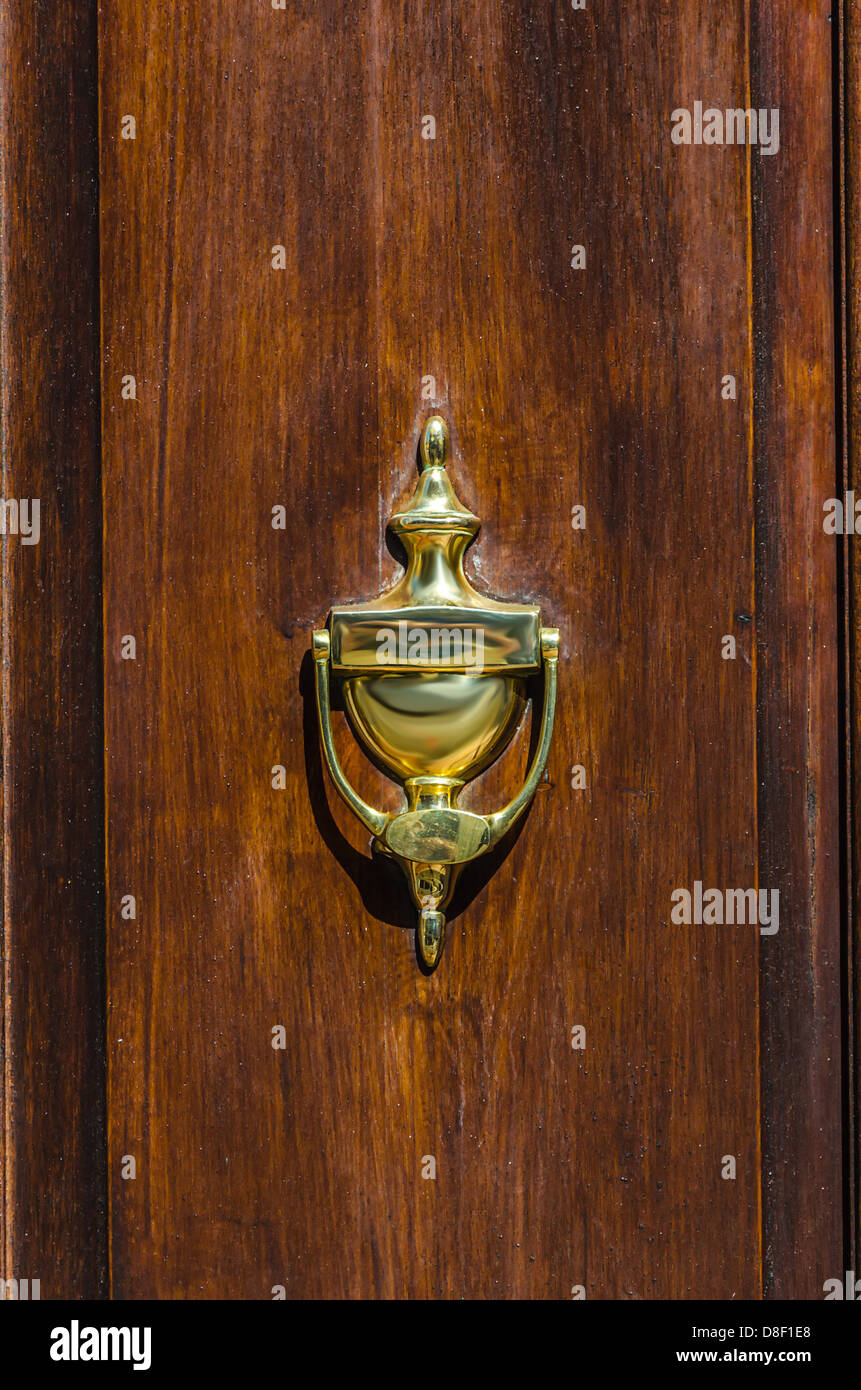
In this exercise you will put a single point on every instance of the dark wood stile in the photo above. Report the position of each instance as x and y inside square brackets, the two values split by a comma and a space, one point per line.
[850, 325]
[52, 1176]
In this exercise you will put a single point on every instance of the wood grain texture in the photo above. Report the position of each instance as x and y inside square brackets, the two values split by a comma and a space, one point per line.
[451, 258]
[797, 654]
[850, 304]
[52, 1169]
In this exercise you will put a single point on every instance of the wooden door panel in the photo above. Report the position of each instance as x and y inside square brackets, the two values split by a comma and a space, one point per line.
[449, 258]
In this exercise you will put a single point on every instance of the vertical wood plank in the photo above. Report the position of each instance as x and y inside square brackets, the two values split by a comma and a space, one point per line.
[850, 305]
[598, 387]
[52, 1167]
[797, 653]
[256, 388]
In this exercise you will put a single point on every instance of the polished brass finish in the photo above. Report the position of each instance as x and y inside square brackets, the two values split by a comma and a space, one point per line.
[434, 685]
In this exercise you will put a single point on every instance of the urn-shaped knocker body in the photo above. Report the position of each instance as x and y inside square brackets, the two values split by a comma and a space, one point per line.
[434, 678]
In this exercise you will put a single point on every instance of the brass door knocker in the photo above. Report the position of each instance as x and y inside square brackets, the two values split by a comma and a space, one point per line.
[434, 684]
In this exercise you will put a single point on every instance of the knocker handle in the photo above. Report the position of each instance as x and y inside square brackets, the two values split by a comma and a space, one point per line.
[432, 839]
[501, 821]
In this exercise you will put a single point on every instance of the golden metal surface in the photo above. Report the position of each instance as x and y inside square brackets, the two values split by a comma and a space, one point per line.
[434, 685]
[435, 722]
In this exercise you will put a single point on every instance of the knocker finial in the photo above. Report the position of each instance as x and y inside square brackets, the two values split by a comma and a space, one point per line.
[434, 446]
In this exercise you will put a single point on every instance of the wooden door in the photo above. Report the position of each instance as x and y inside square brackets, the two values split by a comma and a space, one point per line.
[295, 232]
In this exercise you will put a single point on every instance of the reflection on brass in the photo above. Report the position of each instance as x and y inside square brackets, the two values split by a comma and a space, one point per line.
[434, 685]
